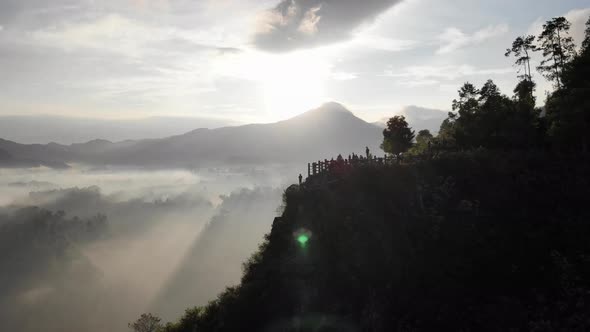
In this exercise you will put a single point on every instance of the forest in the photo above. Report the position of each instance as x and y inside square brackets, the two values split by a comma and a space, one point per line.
[482, 227]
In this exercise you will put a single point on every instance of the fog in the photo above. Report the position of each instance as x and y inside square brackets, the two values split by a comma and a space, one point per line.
[89, 249]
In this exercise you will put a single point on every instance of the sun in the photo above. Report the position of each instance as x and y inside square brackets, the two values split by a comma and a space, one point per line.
[289, 84]
[292, 83]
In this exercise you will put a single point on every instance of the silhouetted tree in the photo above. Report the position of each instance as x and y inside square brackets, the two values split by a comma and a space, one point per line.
[146, 323]
[445, 130]
[424, 136]
[568, 109]
[468, 99]
[524, 93]
[489, 92]
[423, 141]
[487, 118]
[586, 42]
[522, 48]
[397, 137]
[558, 49]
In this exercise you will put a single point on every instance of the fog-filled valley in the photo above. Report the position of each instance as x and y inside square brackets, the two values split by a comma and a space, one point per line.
[86, 249]
[94, 234]
[294, 166]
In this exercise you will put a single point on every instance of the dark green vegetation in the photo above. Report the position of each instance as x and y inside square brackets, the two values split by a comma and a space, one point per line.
[484, 229]
[42, 256]
[35, 240]
[468, 241]
[397, 136]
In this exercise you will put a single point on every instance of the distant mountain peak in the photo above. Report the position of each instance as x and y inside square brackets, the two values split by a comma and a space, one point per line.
[327, 112]
[333, 106]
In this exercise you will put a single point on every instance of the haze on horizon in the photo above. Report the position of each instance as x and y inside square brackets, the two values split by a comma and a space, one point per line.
[173, 132]
[257, 61]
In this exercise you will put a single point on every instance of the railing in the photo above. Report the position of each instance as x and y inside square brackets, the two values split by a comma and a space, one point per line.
[341, 164]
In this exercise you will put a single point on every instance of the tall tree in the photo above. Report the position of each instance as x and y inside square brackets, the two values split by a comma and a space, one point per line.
[586, 42]
[568, 110]
[146, 323]
[423, 141]
[468, 99]
[489, 92]
[486, 118]
[524, 93]
[424, 136]
[522, 48]
[398, 136]
[558, 49]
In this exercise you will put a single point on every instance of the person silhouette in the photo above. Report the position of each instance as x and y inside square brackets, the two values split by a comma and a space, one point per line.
[300, 178]
[367, 151]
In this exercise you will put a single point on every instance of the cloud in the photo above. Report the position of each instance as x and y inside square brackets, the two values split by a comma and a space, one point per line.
[424, 118]
[309, 23]
[375, 42]
[119, 34]
[133, 62]
[294, 24]
[184, 221]
[425, 75]
[413, 83]
[453, 39]
[343, 76]
[114, 33]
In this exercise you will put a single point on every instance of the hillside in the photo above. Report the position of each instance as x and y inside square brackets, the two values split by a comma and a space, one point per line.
[309, 136]
[28, 129]
[472, 241]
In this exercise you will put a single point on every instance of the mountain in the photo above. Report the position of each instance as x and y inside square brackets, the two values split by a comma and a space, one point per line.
[68, 130]
[14, 155]
[419, 118]
[316, 134]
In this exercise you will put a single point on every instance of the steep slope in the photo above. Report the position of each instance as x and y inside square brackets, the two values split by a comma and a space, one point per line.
[466, 242]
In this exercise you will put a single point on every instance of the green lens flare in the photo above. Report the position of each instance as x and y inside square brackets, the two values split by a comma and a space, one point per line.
[302, 239]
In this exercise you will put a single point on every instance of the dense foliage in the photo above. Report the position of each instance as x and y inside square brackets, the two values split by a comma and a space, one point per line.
[484, 229]
[35, 242]
[397, 136]
[468, 241]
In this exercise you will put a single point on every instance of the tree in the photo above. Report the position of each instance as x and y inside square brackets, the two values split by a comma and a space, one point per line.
[397, 137]
[558, 49]
[489, 92]
[423, 141]
[146, 323]
[524, 94]
[586, 42]
[486, 118]
[468, 95]
[423, 137]
[568, 110]
[522, 47]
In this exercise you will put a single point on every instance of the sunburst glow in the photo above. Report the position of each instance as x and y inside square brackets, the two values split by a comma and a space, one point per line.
[289, 83]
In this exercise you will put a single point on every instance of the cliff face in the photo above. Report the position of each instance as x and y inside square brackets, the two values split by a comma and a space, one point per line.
[463, 242]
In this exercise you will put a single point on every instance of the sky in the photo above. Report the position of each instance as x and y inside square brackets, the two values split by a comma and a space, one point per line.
[258, 60]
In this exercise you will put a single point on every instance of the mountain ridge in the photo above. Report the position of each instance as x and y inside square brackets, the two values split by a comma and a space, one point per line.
[314, 134]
